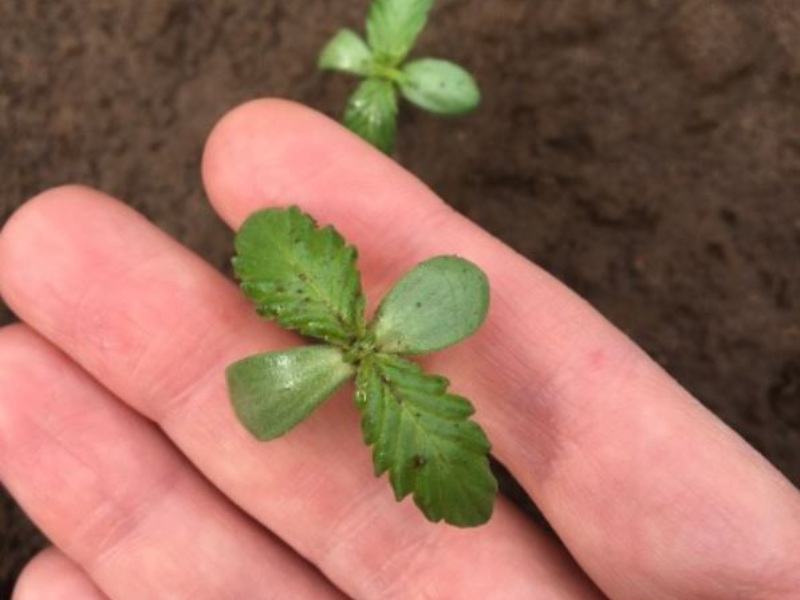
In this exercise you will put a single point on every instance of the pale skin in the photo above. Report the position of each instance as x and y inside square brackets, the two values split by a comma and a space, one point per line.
[117, 438]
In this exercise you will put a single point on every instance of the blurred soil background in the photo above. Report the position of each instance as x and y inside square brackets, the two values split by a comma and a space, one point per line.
[647, 152]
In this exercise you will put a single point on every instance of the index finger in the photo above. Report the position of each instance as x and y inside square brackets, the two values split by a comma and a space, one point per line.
[652, 494]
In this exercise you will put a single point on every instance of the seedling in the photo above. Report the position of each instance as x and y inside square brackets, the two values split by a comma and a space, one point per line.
[305, 278]
[435, 85]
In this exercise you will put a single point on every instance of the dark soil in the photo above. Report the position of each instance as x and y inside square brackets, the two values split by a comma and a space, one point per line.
[647, 152]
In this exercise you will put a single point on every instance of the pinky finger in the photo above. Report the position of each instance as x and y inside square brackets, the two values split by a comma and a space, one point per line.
[52, 576]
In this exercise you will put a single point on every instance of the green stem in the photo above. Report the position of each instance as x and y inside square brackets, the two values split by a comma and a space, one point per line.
[393, 74]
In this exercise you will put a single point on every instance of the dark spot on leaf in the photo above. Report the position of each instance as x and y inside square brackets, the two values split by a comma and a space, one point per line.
[419, 304]
[418, 461]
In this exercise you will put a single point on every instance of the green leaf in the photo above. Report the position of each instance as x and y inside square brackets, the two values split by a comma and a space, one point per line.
[346, 52]
[303, 276]
[439, 86]
[273, 392]
[393, 27]
[437, 303]
[423, 436]
[372, 113]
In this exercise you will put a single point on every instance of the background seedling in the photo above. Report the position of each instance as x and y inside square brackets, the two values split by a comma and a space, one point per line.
[435, 85]
[305, 277]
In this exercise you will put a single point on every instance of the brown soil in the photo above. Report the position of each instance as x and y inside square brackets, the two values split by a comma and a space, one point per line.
[646, 152]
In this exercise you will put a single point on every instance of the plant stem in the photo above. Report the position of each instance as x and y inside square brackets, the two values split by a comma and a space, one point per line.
[393, 74]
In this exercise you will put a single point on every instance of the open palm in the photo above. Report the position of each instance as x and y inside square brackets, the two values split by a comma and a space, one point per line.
[117, 437]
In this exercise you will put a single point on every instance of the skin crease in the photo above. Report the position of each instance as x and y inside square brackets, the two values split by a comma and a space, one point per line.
[651, 494]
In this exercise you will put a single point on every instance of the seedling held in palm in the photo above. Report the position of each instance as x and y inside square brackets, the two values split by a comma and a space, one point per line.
[305, 278]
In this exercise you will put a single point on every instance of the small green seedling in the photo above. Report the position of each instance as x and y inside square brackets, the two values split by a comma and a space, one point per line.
[438, 86]
[305, 277]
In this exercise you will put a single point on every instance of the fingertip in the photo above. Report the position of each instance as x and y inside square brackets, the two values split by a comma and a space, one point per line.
[52, 576]
[263, 130]
[274, 151]
[60, 234]
[43, 566]
[31, 210]
[26, 215]
[33, 227]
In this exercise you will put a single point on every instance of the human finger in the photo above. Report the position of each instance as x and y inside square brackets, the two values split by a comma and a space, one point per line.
[653, 495]
[111, 492]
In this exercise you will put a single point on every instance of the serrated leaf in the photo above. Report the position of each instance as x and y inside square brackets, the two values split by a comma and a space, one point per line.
[372, 113]
[437, 303]
[423, 436]
[301, 275]
[274, 391]
[393, 27]
[346, 51]
[439, 86]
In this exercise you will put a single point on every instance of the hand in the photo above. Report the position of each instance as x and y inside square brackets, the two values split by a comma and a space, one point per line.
[117, 438]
